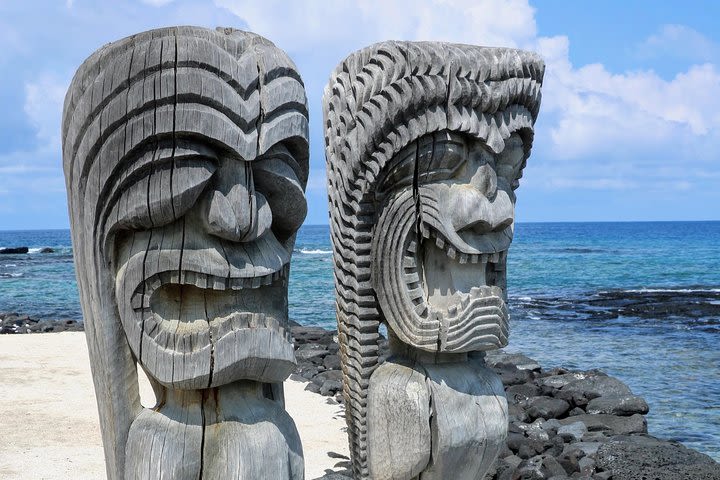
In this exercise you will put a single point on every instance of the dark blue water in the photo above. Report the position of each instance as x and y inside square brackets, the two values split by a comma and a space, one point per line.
[640, 301]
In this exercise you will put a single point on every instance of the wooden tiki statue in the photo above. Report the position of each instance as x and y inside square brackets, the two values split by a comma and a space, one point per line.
[425, 144]
[186, 158]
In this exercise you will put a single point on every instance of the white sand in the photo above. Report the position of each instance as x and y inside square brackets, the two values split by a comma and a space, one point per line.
[49, 426]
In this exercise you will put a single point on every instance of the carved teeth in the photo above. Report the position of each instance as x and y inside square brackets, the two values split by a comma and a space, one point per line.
[189, 278]
[416, 293]
[164, 278]
[412, 247]
[138, 301]
[240, 320]
[162, 337]
[412, 278]
[255, 321]
[494, 258]
[154, 283]
[200, 280]
[440, 242]
[218, 283]
[409, 262]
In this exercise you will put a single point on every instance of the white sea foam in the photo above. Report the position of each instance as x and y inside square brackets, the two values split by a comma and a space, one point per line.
[56, 249]
[316, 251]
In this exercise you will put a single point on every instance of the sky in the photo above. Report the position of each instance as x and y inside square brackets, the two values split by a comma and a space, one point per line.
[629, 128]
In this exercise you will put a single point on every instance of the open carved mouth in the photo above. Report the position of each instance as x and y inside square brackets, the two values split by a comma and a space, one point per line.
[220, 317]
[465, 291]
[184, 303]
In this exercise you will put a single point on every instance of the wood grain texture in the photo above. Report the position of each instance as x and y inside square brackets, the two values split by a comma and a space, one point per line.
[425, 143]
[399, 412]
[181, 256]
[469, 420]
[434, 421]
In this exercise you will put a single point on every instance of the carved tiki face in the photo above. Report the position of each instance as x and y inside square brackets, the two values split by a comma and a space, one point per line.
[213, 288]
[447, 216]
[194, 179]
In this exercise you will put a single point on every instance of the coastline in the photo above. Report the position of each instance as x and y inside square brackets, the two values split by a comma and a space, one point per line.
[563, 423]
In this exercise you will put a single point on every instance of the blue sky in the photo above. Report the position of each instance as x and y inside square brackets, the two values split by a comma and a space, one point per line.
[629, 128]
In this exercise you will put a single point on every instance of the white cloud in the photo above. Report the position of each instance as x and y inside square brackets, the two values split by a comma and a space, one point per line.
[588, 110]
[28, 175]
[157, 3]
[636, 122]
[630, 115]
[302, 25]
[11, 41]
[43, 105]
[679, 41]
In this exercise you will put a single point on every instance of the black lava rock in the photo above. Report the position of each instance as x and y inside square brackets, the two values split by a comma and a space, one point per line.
[546, 407]
[637, 456]
[13, 250]
[623, 405]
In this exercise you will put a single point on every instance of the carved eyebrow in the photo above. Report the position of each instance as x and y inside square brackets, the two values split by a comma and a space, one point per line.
[280, 150]
[160, 192]
[276, 176]
[439, 158]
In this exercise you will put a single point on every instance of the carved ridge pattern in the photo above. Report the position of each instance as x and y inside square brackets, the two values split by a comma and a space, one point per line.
[378, 101]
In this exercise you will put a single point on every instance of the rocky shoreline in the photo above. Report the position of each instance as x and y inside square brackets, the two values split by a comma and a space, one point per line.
[563, 424]
[17, 323]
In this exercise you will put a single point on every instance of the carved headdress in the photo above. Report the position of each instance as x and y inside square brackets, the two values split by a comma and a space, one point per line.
[148, 123]
[396, 114]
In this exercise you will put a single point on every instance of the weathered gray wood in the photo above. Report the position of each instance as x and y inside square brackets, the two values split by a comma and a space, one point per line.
[425, 144]
[469, 420]
[248, 436]
[399, 411]
[182, 257]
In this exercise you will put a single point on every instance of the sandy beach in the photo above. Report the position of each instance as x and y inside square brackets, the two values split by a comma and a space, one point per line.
[49, 422]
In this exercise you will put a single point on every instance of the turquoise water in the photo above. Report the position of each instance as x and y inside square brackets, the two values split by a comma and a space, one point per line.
[640, 301]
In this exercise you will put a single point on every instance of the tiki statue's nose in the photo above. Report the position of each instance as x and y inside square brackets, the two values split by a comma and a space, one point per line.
[480, 205]
[233, 209]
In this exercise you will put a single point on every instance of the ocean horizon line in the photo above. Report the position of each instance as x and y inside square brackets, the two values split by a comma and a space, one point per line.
[542, 222]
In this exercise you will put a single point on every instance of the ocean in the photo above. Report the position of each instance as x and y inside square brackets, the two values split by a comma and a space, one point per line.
[638, 300]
